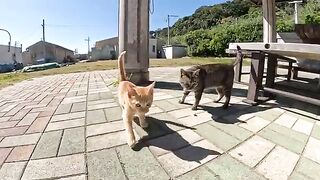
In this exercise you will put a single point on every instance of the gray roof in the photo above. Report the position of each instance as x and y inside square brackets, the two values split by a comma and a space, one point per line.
[50, 44]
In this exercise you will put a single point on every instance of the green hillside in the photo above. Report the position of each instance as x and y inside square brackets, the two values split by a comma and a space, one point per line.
[209, 30]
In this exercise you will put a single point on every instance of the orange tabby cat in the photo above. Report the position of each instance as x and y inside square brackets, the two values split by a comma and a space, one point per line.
[134, 100]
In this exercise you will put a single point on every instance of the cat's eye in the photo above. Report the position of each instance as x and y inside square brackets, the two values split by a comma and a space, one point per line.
[148, 105]
[138, 105]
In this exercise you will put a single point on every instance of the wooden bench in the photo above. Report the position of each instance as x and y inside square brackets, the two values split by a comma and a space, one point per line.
[274, 52]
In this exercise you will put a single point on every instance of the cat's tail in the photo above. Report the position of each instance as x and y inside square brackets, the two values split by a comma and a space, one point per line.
[238, 57]
[123, 76]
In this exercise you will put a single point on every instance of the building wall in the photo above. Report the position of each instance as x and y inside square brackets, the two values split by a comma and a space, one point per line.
[111, 42]
[152, 48]
[26, 58]
[98, 52]
[107, 52]
[7, 57]
[172, 52]
[53, 53]
[168, 51]
[61, 53]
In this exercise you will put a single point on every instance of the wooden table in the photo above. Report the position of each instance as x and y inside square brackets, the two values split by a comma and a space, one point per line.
[272, 52]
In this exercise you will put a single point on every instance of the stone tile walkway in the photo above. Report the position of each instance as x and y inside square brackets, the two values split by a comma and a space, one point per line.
[69, 127]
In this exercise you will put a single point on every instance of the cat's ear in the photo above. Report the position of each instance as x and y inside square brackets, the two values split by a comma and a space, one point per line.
[131, 92]
[182, 71]
[150, 87]
[196, 73]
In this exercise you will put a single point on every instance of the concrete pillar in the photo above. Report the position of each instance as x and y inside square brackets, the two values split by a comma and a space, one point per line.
[269, 21]
[134, 38]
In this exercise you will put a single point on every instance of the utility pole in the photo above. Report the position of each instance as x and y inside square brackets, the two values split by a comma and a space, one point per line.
[296, 3]
[88, 44]
[43, 34]
[43, 40]
[168, 20]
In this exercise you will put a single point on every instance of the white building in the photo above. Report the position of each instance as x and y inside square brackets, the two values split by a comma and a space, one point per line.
[175, 51]
[108, 49]
[9, 58]
[15, 55]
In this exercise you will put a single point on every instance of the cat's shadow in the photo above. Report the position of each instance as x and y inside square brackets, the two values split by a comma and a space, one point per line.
[161, 136]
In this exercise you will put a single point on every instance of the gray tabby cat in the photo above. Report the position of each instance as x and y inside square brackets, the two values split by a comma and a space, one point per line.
[200, 77]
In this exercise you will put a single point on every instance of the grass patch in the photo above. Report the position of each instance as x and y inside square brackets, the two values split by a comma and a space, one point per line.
[7, 79]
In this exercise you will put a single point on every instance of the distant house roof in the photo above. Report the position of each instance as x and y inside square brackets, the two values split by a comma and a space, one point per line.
[50, 44]
[111, 41]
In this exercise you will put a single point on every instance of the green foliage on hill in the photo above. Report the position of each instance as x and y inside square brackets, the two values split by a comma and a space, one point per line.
[210, 29]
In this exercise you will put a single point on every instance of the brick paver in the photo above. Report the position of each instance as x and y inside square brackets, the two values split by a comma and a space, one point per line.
[286, 120]
[73, 141]
[252, 151]
[52, 126]
[225, 141]
[12, 141]
[104, 164]
[20, 153]
[4, 152]
[189, 158]
[312, 150]
[55, 167]
[39, 125]
[306, 169]
[48, 145]
[225, 167]
[70, 127]
[278, 164]
[12, 170]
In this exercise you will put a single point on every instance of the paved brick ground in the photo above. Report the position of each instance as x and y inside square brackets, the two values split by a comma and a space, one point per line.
[69, 127]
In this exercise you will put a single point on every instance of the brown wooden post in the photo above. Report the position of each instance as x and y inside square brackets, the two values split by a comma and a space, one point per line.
[289, 71]
[295, 73]
[271, 72]
[256, 74]
[237, 75]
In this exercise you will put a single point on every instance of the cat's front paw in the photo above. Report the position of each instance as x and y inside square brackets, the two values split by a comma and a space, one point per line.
[180, 101]
[132, 142]
[194, 108]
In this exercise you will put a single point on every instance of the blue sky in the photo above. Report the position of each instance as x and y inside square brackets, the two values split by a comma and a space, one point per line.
[69, 22]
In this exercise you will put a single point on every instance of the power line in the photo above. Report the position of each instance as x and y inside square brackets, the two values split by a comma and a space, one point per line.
[73, 26]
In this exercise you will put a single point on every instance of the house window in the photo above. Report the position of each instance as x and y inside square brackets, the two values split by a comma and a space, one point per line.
[153, 48]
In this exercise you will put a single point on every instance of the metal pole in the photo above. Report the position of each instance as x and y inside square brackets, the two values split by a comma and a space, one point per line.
[295, 13]
[296, 3]
[44, 40]
[9, 43]
[43, 30]
[169, 26]
[168, 29]
[88, 44]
